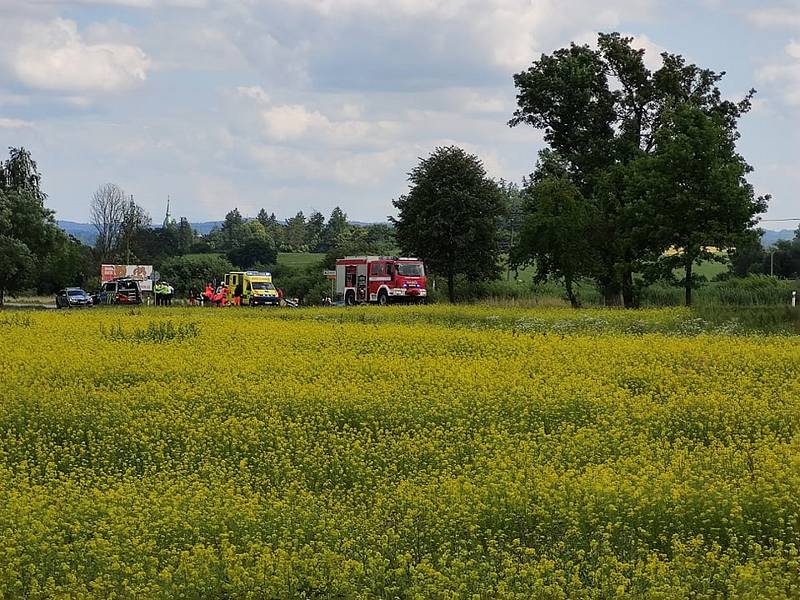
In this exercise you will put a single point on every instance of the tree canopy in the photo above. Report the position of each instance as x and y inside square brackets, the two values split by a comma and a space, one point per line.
[450, 216]
[28, 232]
[602, 111]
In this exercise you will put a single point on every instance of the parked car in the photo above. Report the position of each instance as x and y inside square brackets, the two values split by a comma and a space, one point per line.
[73, 297]
[120, 291]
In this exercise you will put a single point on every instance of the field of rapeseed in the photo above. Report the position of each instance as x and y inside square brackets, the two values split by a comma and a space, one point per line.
[430, 452]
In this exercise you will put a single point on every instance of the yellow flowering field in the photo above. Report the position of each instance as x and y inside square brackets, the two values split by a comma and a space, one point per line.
[429, 452]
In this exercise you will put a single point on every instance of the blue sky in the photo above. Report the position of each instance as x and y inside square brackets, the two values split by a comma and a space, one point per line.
[308, 104]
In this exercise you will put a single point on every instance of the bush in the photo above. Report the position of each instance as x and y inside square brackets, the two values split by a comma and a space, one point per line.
[254, 251]
[307, 283]
[159, 332]
[752, 290]
[194, 271]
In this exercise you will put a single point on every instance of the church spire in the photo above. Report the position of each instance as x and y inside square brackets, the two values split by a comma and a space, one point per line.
[168, 220]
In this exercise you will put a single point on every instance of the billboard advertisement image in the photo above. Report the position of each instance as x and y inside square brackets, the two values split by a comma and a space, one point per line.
[144, 273]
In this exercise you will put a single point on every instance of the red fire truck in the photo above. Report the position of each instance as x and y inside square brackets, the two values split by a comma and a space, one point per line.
[381, 279]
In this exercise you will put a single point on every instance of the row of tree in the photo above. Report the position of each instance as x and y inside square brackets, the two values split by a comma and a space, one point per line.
[124, 233]
[640, 177]
[640, 180]
[782, 259]
[34, 251]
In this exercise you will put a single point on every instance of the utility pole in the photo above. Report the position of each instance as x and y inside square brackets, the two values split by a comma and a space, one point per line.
[510, 246]
[132, 215]
[772, 263]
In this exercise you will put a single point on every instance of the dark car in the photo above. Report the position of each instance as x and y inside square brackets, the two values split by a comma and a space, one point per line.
[73, 297]
[120, 291]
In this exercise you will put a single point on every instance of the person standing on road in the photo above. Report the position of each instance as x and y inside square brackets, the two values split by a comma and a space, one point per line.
[209, 293]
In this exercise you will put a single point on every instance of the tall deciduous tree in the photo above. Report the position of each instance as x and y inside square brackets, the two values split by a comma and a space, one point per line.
[315, 226]
[194, 272]
[134, 220]
[296, 233]
[28, 233]
[71, 263]
[691, 191]
[107, 211]
[185, 236]
[255, 248]
[600, 110]
[553, 235]
[232, 232]
[450, 216]
[336, 229]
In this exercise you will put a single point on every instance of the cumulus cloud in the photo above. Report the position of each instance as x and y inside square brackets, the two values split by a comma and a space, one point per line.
[285, 104]
[507, 32]
[293, 123]
[785, 73]
[6, 123]
[54, 56]
[129, 3]
[787, 15]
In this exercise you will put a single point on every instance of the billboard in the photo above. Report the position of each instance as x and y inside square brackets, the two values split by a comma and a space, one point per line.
[143, 273]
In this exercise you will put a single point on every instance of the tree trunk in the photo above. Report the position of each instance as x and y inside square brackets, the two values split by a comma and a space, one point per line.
[628, 298]
[688, 282]
[573, 299]
[611, 295]
[451, 288]
[2, 297]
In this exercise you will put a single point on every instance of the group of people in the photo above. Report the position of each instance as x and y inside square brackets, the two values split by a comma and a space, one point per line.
[163, 293]
[217, 297]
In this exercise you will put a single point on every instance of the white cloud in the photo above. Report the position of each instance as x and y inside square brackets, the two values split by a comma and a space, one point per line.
[786, 74]
[776, 16]
[129, 3]
[289, 122]
[254, 92]
[53, 56]
[298, 123]
[652, 51]
[338, 98]
[6, 123]
[510, 32]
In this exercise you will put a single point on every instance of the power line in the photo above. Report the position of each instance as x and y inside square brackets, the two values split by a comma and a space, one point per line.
[776, 220]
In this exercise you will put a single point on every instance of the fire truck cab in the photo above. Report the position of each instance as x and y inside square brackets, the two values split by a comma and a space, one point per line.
[380, 279]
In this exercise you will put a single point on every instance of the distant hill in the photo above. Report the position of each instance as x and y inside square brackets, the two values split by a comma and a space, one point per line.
[770, 237]
[84, 232]
[205, 227]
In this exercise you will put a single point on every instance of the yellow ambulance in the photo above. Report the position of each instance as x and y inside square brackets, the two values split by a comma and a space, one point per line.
[255, 287]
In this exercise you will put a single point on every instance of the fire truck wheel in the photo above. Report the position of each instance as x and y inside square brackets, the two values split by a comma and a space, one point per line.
[383, 298]
[350, 299]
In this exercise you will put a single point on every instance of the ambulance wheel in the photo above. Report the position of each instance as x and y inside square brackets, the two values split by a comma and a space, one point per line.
[350, 299]
[383, 298]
